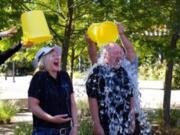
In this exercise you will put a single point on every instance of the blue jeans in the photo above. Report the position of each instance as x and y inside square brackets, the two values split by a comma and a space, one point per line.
[51, 131]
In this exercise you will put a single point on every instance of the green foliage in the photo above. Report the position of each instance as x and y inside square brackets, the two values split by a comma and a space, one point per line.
[79, 75]
[7, 111]
[176, 77]
[84, 118]
[152, 72]
[167, 131]
[85, 124]
[156, 71]
[156, 116]
[23, 128]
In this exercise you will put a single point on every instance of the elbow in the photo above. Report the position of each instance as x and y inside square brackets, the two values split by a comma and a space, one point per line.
[29, 107]
[32, 103]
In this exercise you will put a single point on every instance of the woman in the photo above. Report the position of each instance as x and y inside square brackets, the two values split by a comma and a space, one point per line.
[50, 96]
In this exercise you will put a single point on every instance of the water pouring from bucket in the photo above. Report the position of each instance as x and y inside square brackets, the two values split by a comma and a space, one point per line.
[35, 28]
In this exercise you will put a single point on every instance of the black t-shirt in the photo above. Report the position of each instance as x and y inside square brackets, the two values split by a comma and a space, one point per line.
[113, 90]
[53, 94]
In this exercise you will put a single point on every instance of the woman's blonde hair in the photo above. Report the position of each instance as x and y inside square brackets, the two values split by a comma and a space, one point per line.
[40, 59]
[41, 65]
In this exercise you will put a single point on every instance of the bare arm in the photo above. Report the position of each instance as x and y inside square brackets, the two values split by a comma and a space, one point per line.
[34, 107]
[74, 111]
[74, 130]
[91, 50]
[132, 115]
[8, 33]
[98, 130]
[131, 55]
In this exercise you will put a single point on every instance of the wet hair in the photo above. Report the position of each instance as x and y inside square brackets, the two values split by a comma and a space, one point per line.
[105, 49]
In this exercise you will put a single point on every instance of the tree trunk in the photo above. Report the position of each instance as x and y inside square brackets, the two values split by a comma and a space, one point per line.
[67, 34]
[168, 82]
[72, 62]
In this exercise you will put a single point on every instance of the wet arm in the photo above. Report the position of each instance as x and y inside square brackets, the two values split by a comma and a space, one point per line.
[130, 52]
[94, 111]
[97, 128]
[131, 55]
[92, 51]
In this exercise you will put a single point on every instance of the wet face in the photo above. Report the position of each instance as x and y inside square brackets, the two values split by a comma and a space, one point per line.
[53, 61]
[113, 54]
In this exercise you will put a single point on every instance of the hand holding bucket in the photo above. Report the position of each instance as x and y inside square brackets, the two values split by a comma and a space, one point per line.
[103, 33]
[35, 28]
[93, 31]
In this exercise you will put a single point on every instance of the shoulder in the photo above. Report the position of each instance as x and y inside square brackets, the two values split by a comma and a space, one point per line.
[63, 73]
[97, 69]
[122, 71]
[39, 75]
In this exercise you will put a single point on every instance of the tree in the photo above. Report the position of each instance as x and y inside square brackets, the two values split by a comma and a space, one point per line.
[170, 61]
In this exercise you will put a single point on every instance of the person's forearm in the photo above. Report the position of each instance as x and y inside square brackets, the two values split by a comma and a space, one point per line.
[93, 105]
[132, 109]
[91, 50]
[5, 55]
[74, 111]
[130, 52]
[132, 103]
[3, 34]
[40, 113]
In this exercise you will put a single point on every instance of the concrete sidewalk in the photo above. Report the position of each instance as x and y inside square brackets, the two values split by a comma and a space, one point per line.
[151, 96]
[151, 91]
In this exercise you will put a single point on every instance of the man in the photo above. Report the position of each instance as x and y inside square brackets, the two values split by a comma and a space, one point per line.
[112, 87]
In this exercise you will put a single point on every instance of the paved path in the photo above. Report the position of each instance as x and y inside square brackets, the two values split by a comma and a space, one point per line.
[151, 96]
[151, 91]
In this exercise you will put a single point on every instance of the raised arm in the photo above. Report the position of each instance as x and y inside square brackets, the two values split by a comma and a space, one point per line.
[8, 33]
[11, 51]
[91, 50]
[130, 52]
[8, 53]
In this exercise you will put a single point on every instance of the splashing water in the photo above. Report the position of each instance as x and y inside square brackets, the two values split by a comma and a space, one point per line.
[115, 86]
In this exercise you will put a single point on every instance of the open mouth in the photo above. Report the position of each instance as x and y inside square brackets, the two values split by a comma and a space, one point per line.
[56, 63]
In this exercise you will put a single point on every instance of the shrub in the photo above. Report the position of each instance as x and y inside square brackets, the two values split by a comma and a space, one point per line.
[84, 118]
[152, 72]
[23, 128]
[157, 117]
[85, 124]
[176, 77]
[157, 72]
[79, 75]
[8, 109]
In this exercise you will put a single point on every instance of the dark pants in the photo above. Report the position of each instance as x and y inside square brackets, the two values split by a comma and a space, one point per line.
[51, 131]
